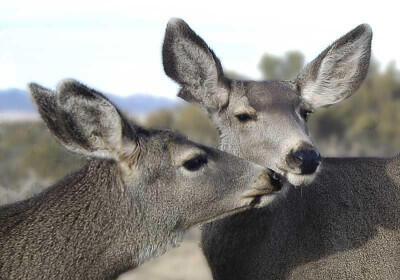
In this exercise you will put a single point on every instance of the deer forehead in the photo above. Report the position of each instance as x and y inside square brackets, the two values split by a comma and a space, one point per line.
[251, 97]
[173, 147]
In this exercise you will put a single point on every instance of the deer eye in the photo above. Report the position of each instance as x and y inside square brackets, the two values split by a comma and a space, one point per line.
[195, 163]
[305, 114]
[244, 117]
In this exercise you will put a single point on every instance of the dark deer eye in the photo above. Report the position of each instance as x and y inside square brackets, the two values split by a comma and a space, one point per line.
[195, 163]
[244, 117]
[305, 114]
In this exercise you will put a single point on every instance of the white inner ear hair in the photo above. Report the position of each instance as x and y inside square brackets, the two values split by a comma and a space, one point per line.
[339, 74]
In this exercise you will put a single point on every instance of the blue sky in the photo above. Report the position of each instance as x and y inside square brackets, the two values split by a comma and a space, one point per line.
[115, 46]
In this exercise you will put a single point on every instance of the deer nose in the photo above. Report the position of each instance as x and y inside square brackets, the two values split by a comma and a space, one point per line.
[307, 160]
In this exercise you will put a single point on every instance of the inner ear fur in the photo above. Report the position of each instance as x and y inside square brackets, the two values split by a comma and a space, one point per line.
[85, 121]
[338, 71]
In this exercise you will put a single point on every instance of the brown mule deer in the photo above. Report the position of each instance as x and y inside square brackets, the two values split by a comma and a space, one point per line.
[138, 192]
[346, 223]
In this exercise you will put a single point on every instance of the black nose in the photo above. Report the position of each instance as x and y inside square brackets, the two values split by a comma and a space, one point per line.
[307, 160]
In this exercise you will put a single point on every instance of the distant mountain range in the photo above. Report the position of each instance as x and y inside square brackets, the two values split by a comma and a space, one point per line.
[19, 101]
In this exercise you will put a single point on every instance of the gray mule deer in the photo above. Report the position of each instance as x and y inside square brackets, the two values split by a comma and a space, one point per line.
[344, 225]
[138, 192]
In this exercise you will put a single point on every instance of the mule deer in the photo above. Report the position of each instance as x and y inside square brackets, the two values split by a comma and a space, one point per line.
[138, 192]
[346, 223]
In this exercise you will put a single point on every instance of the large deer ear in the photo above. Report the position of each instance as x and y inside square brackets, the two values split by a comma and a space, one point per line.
[339, 70]
[85, 121]
[46, 103]
[193, 65]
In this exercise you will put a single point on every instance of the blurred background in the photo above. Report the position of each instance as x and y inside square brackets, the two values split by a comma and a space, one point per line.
[116, 48]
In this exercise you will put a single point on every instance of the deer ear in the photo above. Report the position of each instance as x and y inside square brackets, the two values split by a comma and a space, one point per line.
[193, 65]
[85, 121]
[46, 103]
[95, 126]
[339, 70]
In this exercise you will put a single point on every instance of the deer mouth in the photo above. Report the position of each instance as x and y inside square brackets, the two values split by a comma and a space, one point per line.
[262, 196]
[298, 179]
[256, 197]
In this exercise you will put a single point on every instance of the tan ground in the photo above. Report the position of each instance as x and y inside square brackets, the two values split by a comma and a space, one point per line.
[183, 263]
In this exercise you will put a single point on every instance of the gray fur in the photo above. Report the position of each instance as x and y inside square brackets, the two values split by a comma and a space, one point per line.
[275, 106]
[132, 200]
[344, 226]
[346, 223]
